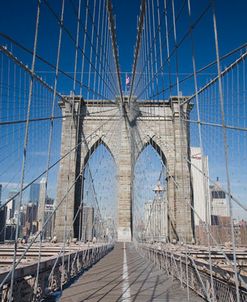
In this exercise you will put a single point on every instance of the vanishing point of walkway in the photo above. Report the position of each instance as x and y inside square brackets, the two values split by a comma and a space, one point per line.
[123, 275]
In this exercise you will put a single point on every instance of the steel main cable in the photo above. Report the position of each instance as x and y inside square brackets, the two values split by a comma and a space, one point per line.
[155, 38]
[173, 51]
[51, 65]
[114, 45]
[54, 164]
[66, 30]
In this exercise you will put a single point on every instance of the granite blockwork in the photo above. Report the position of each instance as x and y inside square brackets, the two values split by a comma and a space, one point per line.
[125, 128]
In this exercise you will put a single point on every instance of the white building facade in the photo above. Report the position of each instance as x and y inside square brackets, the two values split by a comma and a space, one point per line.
[219, 204]
[200, 184]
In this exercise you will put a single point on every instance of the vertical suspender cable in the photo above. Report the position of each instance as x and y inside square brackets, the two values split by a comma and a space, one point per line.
[25, 149]
[202, 150]
[181, 111]
[50, 143]
[225, 148]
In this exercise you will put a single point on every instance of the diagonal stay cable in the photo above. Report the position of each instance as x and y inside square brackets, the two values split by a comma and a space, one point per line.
[55, 209]
[46, 62]
[10, 293]
[55, 163]
[205, 225]
[78, 210]
[66, 30]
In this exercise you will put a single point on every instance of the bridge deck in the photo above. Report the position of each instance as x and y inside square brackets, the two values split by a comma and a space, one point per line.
[123, 275]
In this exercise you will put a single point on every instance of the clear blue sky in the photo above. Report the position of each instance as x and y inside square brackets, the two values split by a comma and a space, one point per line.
[17, 18]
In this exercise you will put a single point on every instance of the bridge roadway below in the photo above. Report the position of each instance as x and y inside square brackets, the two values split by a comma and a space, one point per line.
[123, 275]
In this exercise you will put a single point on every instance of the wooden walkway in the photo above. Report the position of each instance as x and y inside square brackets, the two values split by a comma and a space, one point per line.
[123, 275]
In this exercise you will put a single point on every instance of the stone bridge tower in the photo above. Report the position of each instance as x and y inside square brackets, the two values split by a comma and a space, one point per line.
[127, 129]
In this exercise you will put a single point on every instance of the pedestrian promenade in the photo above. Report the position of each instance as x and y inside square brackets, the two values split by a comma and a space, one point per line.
[123, 275]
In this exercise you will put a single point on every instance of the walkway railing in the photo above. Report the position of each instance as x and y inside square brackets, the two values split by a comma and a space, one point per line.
[195, 274]
[53, 275]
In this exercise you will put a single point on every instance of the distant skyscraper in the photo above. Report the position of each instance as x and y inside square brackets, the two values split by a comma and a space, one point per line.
[31, 217]
[22, 216]
[2, 223]
[1, 187]
[11, 208]
[219, 204]
[49, 208]
[45, 208]
[10, 230]
[42, 202]
[200, 186]
[34, 193]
